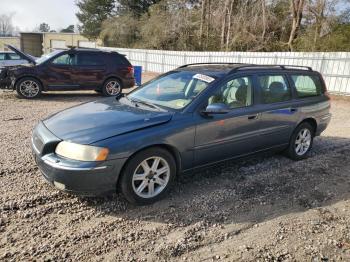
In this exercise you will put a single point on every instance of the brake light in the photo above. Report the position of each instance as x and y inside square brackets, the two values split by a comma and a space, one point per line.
[131, 70]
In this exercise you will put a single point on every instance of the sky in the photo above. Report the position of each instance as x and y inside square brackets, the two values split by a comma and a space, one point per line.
[28, 14]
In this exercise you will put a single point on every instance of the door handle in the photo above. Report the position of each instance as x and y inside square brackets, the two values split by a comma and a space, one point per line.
[293, 110]
[253, 117]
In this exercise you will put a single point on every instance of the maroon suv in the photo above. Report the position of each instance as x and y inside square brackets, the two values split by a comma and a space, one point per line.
[74, 69]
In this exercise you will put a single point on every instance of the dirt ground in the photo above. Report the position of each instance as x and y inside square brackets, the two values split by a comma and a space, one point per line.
[266, 208]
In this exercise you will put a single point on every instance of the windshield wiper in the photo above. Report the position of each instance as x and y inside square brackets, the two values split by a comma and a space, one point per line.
[145, 103]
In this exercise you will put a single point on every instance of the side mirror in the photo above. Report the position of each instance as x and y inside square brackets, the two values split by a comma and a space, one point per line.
[216, 108]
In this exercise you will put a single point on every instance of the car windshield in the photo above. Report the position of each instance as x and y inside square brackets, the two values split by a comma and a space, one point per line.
[46, 57]
[174, 90]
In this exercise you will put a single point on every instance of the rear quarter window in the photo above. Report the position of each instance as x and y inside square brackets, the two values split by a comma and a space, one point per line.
[120, 60]
[307, 85]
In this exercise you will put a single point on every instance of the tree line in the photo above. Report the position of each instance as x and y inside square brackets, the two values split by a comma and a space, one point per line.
[219, 25]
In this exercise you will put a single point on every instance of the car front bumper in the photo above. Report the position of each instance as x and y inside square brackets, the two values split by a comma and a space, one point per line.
[77, 177]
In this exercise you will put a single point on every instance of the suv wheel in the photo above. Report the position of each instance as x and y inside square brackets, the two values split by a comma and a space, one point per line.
[301, 142]
[148, 176]
[28, 87]
[112, 87]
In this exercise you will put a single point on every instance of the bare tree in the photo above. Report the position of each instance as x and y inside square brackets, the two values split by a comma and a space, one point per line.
[318, 11]
[297, 7]
[263, 6]
[6, 26]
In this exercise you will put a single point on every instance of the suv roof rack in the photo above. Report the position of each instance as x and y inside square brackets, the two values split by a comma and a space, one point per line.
[283, 67]
[210, 63]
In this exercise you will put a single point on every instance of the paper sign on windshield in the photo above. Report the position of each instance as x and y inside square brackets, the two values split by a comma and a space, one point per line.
[204, 78]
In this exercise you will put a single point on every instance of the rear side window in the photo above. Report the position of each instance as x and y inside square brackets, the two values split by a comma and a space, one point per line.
[120, 60]
[14, 57]
[86, 59]
[2, 56]
[274, 89]
[307, 85]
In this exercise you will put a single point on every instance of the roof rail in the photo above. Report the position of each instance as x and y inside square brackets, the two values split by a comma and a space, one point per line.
[210, 63]
[283, 67]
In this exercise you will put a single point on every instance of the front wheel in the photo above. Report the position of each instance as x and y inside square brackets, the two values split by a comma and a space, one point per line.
[28, 87]
[148, 176]
[112, 87]
[301, 142]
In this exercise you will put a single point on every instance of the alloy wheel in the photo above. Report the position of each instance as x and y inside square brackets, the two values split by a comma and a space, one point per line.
[113, 88]
[151, 177]
[29, 88]
[303, 141]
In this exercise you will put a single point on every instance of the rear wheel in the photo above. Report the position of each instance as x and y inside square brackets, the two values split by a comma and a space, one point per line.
[148, 176]
[112, 87]
[301, 141]
[28, 87]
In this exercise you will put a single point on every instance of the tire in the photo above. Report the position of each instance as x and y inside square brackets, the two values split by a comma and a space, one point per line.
[136, 183]
[112, 87]
[29, 88]
[301, 141]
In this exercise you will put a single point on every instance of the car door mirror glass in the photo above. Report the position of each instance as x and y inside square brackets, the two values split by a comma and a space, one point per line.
[216, 108]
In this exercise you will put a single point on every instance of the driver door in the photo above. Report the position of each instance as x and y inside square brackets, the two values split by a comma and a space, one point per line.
[221, 136]
[59, 73]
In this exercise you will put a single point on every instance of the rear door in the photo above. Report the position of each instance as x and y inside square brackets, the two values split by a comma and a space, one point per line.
[278, 114]
[235, 133]
[90, 69]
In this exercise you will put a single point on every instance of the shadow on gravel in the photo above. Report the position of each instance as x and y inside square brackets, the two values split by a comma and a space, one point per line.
[252, 190]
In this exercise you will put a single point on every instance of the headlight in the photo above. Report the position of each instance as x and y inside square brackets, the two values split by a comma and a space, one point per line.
[81, 152]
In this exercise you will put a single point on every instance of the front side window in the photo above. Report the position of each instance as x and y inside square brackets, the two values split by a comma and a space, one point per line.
[175, 90]
[66, 59]
[307, 85]
[46, 57]
[235, 93]
[274, 89]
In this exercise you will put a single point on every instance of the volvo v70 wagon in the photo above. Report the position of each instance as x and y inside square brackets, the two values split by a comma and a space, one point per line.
[191, 117]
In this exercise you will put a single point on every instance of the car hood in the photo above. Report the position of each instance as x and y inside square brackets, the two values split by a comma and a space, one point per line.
[24, 56]
[101, 119]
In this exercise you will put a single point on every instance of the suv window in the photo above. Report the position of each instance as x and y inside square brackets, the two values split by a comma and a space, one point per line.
[86, 59]
[235, 93]
[2, 56]
[14, 56]
[120, 60]
[274, 88]
[307, 85]
[66, 59]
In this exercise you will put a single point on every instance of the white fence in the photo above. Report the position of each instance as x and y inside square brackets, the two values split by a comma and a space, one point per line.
[334, 66]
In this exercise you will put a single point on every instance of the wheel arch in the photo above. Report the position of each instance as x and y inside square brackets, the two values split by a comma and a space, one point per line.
[312, 121]
[171, 149]
[111, 77]
[29, 76]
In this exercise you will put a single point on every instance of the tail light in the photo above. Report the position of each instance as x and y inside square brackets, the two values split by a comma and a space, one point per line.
[131, 70]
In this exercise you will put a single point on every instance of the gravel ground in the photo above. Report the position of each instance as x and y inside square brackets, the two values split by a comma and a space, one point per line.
[266, 208]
